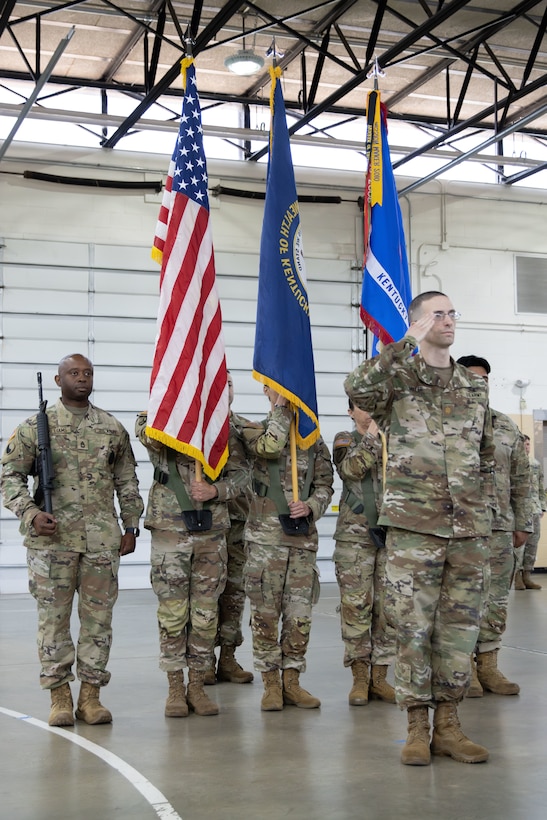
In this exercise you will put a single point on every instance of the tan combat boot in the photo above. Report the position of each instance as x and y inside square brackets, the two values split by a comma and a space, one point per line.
[293, 693]
[527, 581]
[272, 699]
[358, 695]
[197, 700]
[175, 705]
[416, 749]
[228, 668]
[210, 677]
[62, 708]
[475, 689]
[491, 678]
[379, 688]
[518, 583]
[89, 708]
[448, 738]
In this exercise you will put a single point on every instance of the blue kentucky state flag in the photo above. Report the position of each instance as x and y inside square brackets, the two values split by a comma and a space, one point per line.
[386, 292]
[283, 354]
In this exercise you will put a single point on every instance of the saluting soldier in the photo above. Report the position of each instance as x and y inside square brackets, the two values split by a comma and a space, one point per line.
[360, 561]
[437, 506]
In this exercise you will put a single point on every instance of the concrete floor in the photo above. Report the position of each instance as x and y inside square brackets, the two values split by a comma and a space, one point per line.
[336, 763]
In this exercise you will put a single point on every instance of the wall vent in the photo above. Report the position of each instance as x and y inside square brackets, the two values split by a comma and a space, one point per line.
[531, 284]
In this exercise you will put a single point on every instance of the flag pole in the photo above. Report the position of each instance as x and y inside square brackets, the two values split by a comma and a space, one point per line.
[294, 464]
[189, 43]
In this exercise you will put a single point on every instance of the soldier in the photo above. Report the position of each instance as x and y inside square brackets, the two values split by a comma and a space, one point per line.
[439, 481]
[188, 559]
[510, 527]
[76, 548]
[232, 600]
[281, 578]
[523, 575]
[360, 561]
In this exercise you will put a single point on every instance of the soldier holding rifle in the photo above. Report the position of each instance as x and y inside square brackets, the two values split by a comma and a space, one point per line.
[71, 531]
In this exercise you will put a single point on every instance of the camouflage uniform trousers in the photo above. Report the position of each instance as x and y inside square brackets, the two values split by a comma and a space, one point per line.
[188, 573]
[531, 547]
[281, 583]
[434, 592]
[496, 600]
[54, 577]
[360, 572]
[232, 600]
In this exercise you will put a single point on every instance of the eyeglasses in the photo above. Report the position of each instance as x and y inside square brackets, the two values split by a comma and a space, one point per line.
[439, 315]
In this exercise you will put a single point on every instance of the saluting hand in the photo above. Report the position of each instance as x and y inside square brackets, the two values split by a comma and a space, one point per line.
[421, 327]
[373, 428]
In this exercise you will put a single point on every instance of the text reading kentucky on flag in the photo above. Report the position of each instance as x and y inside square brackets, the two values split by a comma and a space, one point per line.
[188, 405]
[283, 354]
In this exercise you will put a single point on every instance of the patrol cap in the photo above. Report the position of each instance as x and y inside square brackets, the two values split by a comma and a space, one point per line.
[474, 361]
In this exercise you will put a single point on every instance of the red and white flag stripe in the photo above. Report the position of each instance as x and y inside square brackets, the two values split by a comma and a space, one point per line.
[188, 407]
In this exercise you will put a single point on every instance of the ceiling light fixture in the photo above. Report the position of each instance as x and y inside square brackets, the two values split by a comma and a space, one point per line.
[245, 61]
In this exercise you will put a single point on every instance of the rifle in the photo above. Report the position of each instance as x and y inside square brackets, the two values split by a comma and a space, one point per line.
[44, 462]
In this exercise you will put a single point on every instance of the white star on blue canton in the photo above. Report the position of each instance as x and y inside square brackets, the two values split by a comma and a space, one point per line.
[189, 156]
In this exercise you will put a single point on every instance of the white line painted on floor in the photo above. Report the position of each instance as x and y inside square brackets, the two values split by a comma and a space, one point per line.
[153, 796]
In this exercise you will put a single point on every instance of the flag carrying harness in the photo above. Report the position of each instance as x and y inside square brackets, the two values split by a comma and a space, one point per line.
[194, 520]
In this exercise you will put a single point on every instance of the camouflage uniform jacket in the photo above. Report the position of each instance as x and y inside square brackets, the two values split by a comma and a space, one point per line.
[238, 507]
[512, 477]
[440, 449]
[267, 442]
[91, 463]
[537, 488]
[163, 510]
[353, 460]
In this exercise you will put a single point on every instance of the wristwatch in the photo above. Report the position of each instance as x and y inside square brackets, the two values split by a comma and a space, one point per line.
[133, 531]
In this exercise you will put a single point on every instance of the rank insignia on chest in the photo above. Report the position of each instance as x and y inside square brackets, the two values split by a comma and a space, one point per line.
[448, 410]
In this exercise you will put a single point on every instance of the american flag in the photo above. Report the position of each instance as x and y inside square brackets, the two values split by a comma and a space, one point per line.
[188, 406]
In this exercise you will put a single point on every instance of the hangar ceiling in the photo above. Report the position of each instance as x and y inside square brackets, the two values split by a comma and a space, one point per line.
[449, 69]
